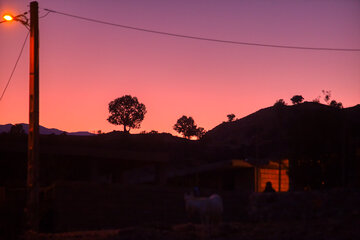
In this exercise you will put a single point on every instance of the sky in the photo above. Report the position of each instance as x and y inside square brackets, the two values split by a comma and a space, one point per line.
[85, 65]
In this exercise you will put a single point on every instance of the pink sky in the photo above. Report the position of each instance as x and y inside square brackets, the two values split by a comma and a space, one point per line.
[84, 66]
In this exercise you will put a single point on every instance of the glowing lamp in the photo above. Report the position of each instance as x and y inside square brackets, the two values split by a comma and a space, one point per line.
[8, 17]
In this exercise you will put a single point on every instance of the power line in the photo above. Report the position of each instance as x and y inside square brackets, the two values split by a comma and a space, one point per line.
[16, 63]
[45, 14]
[202, 38]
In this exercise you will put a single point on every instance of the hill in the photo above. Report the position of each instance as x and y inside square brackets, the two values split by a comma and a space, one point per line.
[306, 121]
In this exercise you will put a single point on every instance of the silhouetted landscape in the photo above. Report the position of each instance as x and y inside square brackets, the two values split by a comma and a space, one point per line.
[184, 120]
[135, 182]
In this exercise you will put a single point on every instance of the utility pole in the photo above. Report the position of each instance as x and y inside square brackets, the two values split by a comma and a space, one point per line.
[32, 208]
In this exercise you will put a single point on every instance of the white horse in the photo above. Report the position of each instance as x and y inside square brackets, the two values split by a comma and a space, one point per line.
[209, 209]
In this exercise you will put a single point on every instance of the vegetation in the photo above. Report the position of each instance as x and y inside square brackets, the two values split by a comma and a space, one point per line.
[327, 95]
[336, 104]
[327, 98]
[200, 132]
[126, 111]
[187, 127]
[231, 117]
[296, 99]
[280, 103]
[316, 100]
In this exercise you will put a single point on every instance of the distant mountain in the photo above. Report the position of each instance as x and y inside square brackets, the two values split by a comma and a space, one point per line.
[44, 130]
[81, 133]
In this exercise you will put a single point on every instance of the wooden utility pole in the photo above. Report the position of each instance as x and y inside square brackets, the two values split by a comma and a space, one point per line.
[32, 208]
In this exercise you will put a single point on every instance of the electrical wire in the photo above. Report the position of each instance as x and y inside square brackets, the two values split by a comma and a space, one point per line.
[16, 63]
[45, 14]
[203, 38]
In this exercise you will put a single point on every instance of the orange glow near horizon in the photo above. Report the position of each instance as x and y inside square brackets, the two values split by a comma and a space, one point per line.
[85, 65]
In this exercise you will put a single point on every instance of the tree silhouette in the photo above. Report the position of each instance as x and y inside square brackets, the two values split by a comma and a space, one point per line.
[187, 127]
[279, 103]
[231, 117]
[316, 100]
[126, 111]
[327, 95]
[200, 132]
[336, 104]
[296, 99]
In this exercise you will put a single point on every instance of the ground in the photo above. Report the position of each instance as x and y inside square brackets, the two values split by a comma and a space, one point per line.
[329, 229]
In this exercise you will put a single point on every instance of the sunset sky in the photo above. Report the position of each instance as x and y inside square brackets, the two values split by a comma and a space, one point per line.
[85, 65]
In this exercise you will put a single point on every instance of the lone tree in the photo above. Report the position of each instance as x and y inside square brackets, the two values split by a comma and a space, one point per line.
[296, 99]
[231, 117]
[187, 127]
[126, 111]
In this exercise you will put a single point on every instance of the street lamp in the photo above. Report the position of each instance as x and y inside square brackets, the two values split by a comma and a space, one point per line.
[8, 17]
[32, 183]
[19, 18]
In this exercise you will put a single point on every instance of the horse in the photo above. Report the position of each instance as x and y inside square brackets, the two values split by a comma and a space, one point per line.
[209, 209]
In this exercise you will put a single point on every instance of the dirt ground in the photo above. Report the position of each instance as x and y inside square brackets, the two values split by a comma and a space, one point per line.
[329, 229]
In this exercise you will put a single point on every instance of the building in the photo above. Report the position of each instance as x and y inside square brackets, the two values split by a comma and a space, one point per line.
[235, 174]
